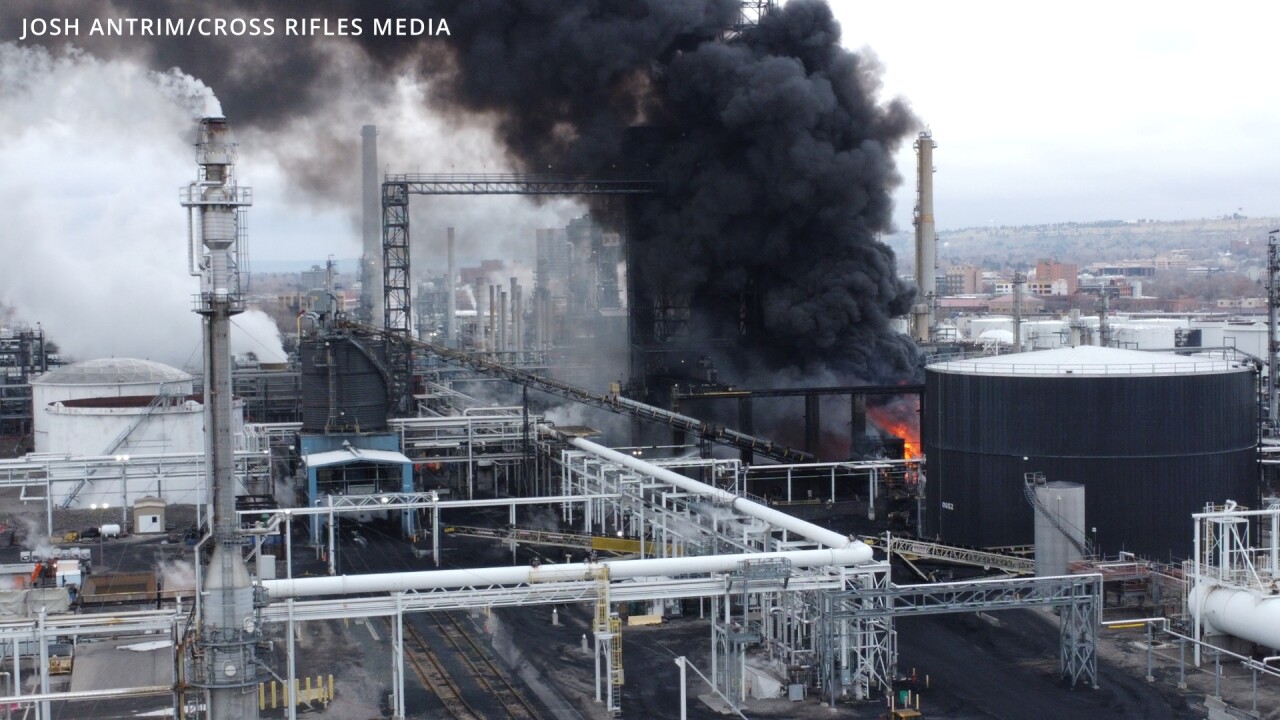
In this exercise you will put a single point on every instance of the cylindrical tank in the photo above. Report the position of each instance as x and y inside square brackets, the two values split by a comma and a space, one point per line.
[1144, 336]
[1152, 436]
[1059, 522]
[1044, 334]
[979, 325]
[1247, 614]
[343, 390]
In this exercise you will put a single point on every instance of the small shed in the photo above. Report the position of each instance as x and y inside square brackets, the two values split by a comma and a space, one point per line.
[148, 515]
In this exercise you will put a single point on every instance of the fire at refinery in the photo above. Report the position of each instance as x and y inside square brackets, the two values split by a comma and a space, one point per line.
[901, 419]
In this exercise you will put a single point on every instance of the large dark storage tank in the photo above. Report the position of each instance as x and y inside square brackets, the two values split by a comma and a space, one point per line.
[343, 389]
[1152, 436]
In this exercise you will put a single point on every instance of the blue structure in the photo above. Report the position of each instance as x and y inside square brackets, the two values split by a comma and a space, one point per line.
[355, 465]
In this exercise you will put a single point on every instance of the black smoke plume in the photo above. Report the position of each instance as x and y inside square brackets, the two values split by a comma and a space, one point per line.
[773, 149]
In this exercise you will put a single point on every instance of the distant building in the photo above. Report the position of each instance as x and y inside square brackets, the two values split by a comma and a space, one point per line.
[315, 278]
[1058, 276]
[956, 304]
[1247, 303]
[1172, 260]
[487, 271]
[1004, 304]
[1134, 268]
[1030, 287]
[960, 280]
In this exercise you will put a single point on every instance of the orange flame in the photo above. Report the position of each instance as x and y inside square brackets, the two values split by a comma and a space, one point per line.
[900, 419]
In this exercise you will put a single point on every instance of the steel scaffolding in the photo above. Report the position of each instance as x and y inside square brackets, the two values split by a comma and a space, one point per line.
[850, 615]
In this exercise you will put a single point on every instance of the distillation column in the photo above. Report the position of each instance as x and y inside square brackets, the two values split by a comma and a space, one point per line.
[923, 312]
[223, 661]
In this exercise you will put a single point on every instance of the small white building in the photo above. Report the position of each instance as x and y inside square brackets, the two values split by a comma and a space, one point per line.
[148, 515]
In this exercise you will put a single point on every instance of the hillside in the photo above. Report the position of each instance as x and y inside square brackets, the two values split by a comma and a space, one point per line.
[1001, 247]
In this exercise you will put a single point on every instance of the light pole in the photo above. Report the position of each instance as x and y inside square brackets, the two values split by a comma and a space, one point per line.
[683, 702]
[124, 492]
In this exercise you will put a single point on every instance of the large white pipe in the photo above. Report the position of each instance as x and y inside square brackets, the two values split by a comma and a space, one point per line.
[803, 528]
[1242, 613]
[618, 569]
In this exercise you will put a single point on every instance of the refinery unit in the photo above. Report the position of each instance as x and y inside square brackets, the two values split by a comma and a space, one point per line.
[399, 522]
[772, 545]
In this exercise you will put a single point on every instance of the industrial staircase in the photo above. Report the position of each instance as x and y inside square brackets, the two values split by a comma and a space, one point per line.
[161, 400]
[608, 632]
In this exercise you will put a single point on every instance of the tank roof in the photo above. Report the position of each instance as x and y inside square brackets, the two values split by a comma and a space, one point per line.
[1090, 360]
[113, 371]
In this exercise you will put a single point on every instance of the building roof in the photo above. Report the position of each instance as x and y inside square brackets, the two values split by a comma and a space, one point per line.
[344, 456]
[1090, 360]
[113, 371]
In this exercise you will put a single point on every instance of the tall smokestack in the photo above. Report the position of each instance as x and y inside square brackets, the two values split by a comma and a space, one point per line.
[517, 306]
[225, 666]
[371, 228]
[924, 312]
[502, 320]
[513, 343]
[451, 298]
[493, 318]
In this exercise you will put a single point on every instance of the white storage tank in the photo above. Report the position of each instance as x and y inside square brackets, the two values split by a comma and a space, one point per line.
[1059, 526]
[122, 407]
[1144, 336]
[119, 406]
[979, 325]
[1044, 334]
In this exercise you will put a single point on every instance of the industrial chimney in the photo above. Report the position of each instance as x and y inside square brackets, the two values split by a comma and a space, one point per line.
[371, 229]
[224, 663]
[924, 311]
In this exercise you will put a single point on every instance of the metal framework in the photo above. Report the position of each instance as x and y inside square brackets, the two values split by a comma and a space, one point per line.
[118, 477]
[853, 614]
[710, 432]
[750, 13]
[518, 184]
[1227, 559]
[397, 320]
[964, 556]
[802, 391]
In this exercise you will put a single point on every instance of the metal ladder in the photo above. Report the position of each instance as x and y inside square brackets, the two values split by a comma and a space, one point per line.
[160, 400]
[1029, 483]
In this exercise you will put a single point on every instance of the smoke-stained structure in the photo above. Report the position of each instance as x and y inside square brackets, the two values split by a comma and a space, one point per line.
[773, 149]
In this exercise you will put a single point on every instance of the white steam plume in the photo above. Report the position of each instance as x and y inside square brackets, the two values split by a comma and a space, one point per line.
[94, 243]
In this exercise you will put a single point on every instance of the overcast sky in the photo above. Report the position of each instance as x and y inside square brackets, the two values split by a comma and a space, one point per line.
[1048, 112]
[1042, 113]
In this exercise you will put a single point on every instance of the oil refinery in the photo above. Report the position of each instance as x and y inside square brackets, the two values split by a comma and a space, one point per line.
[702, 453]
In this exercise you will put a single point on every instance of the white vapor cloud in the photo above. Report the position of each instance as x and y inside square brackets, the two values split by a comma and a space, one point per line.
[94, 239]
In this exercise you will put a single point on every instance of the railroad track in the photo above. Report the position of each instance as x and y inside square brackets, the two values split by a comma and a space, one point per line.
[427, 666]
[504, 699]
[486, 672]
